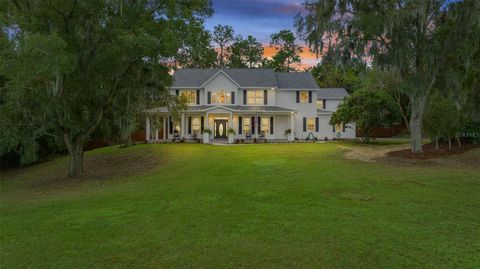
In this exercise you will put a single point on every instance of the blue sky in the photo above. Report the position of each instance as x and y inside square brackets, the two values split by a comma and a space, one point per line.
[260, 18]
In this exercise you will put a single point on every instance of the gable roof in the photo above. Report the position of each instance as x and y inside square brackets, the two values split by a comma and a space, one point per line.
[195, 78]
[335, 93]
[245, 78]
[296, 80]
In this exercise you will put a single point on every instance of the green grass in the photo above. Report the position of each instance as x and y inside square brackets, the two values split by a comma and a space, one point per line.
[253, 206]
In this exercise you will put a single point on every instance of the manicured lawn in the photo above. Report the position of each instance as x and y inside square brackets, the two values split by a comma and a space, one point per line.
[253, 206]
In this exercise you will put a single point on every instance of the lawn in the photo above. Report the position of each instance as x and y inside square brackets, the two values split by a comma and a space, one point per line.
[251, 206]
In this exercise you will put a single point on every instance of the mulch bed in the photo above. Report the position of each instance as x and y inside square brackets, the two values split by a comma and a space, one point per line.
[430, 152]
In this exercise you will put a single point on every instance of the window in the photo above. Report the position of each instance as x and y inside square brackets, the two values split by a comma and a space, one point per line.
[255, 97]
[196, 124]
[177, 128]
[338, 128]
[303, 96]
[265, 127]
[221, 97]
[311, 124]
[191, 96]
[320, 104]
[247, 125]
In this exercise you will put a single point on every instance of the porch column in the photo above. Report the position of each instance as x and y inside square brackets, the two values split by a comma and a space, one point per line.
[182, 126]
[291, 135]
[147, 128]
[206, 122]
[156, 134]
[165, 126]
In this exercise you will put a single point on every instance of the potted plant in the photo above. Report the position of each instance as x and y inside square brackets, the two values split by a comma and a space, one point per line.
[231, 134]
[289, 134]
[206, 135]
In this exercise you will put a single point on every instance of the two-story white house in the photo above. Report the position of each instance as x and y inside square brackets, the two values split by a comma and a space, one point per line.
[255, 103]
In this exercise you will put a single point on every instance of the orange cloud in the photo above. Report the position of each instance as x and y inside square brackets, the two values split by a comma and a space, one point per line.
[309, 58]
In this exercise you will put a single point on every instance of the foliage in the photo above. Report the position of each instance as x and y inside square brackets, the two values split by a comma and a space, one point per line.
[207, 131]
[368, 109]
[379, 31]
[75, 66]
[333, 76]
[442, 119]
[245, 53]
[223, 37]
[196, 50]
[287, 52]
[231, 131]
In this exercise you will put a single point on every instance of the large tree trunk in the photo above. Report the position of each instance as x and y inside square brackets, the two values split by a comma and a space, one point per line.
[367, 135]
[418, 107]
[76, 164]
[75, 150]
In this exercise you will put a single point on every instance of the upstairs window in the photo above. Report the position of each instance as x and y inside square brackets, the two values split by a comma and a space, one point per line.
[221, 97]
[303, 96]
[255, 97]
[190, 95]
[320, 104]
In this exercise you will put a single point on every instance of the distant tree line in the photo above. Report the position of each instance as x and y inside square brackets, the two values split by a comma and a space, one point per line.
[223, 49]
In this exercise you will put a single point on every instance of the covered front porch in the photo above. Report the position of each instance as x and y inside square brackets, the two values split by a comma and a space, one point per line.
[220, 123]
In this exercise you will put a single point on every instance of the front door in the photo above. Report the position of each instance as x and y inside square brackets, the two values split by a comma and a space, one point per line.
[220, 129]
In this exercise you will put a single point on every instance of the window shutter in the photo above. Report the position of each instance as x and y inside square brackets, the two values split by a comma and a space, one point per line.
[324, 103]
[298, 96]
[265, 97]
[189, 124]
[177, 92]
[259, 125]
[244, 97]
[310, 96]
[343, 128]
[201, 124]
[240, 125]
[333, 128]
[316, 125]
[233, 98]
[209, 98]
[198, 97]
[271, 125]
[304, 124]
[170, 125]
[253, 125]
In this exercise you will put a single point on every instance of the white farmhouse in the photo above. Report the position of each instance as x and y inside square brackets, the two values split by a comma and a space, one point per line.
[254, 103]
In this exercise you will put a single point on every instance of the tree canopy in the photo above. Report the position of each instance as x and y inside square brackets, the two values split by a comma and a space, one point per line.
[287, 51]
[223, 36]
[401, 36]
[367, 109]
[245, 53]
[71, 66]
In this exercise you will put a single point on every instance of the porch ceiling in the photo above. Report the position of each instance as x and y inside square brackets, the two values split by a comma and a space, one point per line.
[227, 108]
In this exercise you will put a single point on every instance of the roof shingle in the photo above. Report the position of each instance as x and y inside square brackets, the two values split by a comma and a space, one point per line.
[335, 93]
[263, 78]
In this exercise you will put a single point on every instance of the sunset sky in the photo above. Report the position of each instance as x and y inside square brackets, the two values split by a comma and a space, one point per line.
[260, 18]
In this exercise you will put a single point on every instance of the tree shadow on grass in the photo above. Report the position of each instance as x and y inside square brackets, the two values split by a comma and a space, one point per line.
[98, 166]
